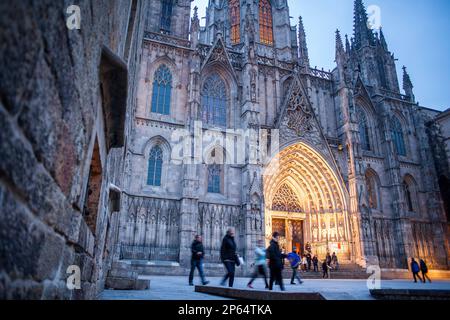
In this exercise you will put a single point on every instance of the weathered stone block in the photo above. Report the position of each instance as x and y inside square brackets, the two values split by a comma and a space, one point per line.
[120, 283]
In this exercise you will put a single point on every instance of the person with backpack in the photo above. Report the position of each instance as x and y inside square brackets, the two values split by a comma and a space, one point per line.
[294, 260]
[415, 269]
[424, 269]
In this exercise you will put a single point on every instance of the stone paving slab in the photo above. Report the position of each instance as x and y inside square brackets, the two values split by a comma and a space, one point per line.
[410, 294]
[248, 294]
[177, 288]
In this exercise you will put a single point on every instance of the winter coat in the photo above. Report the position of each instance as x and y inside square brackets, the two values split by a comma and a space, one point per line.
[196, 247]
[415, 267]
[294, 259]
[423, 266]
[275, 256]
[228, 249]
[260, 256]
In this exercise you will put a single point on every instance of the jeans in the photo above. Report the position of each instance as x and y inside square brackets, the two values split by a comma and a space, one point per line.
[262, 271]
[295, 275]
[199, 265]
[275, 276]
[230, 266]
[316, 268]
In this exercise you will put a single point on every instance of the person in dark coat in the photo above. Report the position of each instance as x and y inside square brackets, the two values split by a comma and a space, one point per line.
[326, 269]
[198, 254]
[229, 257]
[424, 269]
[415, 269]
[275, 262]
[315, 261]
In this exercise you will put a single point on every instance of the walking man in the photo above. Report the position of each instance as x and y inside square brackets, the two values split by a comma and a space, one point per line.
[198, 254]
[415, 269]
[325, 269]
[275, 262]
[260, 265]
[294, 259]
[228, 257]
[424, 269]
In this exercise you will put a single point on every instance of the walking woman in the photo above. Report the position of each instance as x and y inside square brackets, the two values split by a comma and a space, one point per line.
[228, 257]
[260, 265]
[424, 269]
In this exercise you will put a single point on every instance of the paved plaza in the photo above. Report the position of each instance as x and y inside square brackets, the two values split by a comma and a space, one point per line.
[176, 288]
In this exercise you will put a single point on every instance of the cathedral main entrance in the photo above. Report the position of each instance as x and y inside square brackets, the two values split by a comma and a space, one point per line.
[305, 202]
[291, 233]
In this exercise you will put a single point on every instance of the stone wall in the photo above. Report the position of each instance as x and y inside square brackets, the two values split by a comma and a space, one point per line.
[52, 113]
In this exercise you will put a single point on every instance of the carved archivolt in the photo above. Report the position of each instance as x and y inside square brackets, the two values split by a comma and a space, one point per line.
[301, 183]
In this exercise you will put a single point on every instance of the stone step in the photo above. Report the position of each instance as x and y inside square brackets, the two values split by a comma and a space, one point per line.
[244, 294]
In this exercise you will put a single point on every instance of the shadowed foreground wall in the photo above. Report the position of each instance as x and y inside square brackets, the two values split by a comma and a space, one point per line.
[54, 108]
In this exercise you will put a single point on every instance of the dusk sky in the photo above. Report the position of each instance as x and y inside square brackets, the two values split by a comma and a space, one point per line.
[417, 32]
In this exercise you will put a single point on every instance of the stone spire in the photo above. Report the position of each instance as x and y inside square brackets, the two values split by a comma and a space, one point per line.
[195, 28]
[339, 46]
[303, 47]
[407, 85]
[383, 40]
[347, 44]
[363, 35]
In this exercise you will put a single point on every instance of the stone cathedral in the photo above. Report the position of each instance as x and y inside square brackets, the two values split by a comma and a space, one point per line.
[354, 173]
[123, 138]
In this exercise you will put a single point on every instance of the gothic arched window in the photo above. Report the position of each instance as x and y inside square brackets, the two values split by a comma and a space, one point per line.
[410, 187]
[214, 178]
[363, 129]
[372, 189]
[155, 163]
[397, 136]
[166, 15]
[214, 101]
[265, 23]
[162, 90]
[286, 200]
[235, 18]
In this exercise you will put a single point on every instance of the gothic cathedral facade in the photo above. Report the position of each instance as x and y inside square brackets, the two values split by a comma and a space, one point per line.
[354, 171]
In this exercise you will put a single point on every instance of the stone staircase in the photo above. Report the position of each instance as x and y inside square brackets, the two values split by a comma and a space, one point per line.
[346, 270]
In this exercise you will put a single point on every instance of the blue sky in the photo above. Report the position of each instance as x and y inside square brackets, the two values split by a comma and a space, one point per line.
[417, 32]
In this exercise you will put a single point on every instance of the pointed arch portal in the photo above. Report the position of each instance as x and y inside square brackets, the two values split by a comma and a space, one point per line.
[319, 215]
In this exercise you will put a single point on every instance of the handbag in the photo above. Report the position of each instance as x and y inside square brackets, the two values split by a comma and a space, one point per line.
[238, 260]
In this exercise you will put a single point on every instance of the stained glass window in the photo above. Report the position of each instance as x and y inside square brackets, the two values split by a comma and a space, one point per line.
[286, 200]
[214, 178]
[235, 18]
[155, 163]
[363, 129]
[265, 23]
[166, 15]
[214, 101]
[162, 90]
[397, 137]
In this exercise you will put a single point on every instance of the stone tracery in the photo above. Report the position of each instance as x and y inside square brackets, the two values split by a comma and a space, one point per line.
[305, 176]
